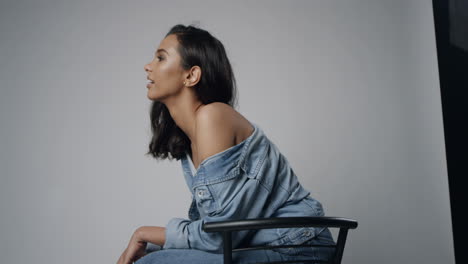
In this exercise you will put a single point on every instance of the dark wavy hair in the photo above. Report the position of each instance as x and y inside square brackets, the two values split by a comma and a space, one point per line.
[217, 84]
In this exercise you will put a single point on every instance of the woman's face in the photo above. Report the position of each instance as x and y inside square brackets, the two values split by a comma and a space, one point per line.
[165, 71]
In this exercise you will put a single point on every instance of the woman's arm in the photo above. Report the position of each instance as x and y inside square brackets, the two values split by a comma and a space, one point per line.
[152, 234]
[137, 245]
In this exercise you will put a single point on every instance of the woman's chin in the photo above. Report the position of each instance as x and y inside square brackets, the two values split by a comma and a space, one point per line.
[151, 96]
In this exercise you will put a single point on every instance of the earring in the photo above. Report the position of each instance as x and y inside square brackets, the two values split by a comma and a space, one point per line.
[184, 83]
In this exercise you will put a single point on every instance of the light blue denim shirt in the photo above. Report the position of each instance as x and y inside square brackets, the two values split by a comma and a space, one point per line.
[249, 180]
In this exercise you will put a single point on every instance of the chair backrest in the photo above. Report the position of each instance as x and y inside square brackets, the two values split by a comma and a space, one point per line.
[227, 227]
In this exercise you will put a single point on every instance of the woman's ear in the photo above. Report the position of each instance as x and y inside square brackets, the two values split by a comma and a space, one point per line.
[193, 76]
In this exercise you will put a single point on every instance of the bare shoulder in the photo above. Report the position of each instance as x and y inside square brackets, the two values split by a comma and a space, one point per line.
[218, 127]
[214, 112]
[227, 117]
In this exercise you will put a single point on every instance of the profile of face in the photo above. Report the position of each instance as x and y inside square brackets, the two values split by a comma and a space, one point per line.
[165, 74]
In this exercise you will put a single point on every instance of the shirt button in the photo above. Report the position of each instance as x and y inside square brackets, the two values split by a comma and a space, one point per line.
[200, 193]
[307, 233]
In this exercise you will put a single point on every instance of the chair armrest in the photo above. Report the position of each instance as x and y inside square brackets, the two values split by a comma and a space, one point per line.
[227, 227]
[279, 222]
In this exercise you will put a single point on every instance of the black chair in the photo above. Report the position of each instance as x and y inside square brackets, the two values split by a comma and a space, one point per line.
[227, 227]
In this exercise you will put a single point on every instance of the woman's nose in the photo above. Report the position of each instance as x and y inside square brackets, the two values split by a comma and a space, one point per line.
[146, 67]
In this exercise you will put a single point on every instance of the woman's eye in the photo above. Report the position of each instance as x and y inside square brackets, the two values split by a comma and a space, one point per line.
[159, 58]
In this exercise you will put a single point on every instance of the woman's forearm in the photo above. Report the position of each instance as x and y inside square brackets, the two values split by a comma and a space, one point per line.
[153, 234]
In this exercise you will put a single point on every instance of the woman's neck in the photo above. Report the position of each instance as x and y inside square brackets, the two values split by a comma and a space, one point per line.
[183, 111]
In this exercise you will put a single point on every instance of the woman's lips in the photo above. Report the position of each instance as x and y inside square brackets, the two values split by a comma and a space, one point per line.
[149, 84]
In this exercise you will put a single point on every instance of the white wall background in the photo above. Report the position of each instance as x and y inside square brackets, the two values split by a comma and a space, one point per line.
[348, 90]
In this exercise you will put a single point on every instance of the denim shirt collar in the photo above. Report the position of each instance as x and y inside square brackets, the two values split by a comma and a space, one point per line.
[228, 163]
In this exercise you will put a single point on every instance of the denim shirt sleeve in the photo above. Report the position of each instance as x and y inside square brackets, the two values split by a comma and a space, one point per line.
[236, 197]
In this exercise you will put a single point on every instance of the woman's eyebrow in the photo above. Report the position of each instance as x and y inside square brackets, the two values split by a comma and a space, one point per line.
[160, 50]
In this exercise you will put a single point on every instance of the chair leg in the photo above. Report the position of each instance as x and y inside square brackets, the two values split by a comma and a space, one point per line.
[340, 245]
[227, 250]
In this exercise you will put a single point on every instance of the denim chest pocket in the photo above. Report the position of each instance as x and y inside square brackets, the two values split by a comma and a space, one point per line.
[205, 201]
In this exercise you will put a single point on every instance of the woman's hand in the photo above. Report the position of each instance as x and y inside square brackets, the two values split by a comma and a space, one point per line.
[135, 250]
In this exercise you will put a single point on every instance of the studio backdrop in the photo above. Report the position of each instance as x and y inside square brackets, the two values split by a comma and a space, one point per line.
[347, 90]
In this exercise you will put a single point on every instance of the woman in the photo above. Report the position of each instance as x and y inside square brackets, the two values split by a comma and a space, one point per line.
[232, 169]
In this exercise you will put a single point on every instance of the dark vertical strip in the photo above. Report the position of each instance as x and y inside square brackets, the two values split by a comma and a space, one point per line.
[227, 250]
[453, 75]
[340, 244]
